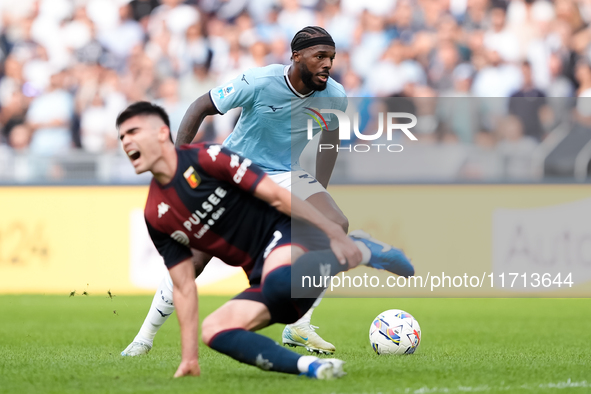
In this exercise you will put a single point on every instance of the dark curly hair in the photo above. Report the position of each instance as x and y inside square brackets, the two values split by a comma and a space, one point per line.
[307, 33]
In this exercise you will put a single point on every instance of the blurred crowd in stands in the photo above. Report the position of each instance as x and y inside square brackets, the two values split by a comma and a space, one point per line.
[67, 67]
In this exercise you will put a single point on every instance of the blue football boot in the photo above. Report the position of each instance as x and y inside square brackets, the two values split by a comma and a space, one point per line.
[384, 256]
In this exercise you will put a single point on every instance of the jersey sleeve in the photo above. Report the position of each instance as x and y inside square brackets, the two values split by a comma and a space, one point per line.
[225, 165]
[239, 92]
[172, 251]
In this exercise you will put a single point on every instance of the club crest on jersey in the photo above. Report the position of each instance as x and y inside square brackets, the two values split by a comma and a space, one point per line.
[226, 91]
[192, 177]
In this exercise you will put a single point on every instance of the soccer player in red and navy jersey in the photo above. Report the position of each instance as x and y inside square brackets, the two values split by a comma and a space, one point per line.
[207, 198]
[264, 133]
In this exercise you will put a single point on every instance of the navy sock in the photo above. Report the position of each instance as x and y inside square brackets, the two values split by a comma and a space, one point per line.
[276, 287]
[279, 283]
[254, 349]
[277, 292]
[319, 262]
[317, 265]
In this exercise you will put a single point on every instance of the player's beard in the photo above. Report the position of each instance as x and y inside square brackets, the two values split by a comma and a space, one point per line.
[307, 76]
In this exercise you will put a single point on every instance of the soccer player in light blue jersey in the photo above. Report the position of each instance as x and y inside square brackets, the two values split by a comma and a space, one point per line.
[268, 97]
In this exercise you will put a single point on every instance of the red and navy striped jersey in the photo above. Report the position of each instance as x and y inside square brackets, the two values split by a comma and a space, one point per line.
[209, 205]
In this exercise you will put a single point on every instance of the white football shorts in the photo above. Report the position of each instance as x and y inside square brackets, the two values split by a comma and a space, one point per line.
[300, 183]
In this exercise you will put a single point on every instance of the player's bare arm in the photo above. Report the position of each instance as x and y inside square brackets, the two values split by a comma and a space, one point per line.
[185, 300]
[278, 197]
[193, 118]
[326, 158]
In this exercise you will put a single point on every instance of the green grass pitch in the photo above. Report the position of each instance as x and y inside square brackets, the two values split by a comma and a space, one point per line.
[61, 344]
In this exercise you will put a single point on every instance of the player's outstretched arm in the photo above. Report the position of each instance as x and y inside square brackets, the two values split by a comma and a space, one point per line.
[193, 118]
[345, 250]
[326, 158]
[185, 301]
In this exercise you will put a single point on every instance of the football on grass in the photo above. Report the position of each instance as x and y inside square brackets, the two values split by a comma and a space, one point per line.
[395, 332]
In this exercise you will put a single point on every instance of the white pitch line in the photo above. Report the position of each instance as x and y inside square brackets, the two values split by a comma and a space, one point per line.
[568, 384]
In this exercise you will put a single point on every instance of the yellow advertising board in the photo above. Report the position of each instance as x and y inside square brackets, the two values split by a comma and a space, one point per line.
[493, 232]
[61, 239]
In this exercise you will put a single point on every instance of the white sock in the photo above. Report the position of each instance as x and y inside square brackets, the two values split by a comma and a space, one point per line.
[161, 308]
[305, 320]
[304, 362]
[365, 252]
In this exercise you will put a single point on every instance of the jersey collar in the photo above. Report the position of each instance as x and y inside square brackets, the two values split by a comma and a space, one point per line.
[288, 82]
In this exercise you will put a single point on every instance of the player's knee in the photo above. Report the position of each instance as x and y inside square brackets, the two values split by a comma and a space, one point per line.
[209, 329]
[214, 324]
[277, 284]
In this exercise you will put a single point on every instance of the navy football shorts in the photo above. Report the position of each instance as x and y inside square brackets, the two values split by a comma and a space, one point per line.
[288, 232]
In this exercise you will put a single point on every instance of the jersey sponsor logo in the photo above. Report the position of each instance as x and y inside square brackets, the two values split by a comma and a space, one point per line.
[192, 177]
[205, 228]
[213, 151]
[274, 108]
[226, 91]
[162, 209]
[200, 216]
[180, 237]
[244, 79]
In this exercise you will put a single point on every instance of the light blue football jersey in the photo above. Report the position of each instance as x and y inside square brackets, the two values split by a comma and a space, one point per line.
[264, 132]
